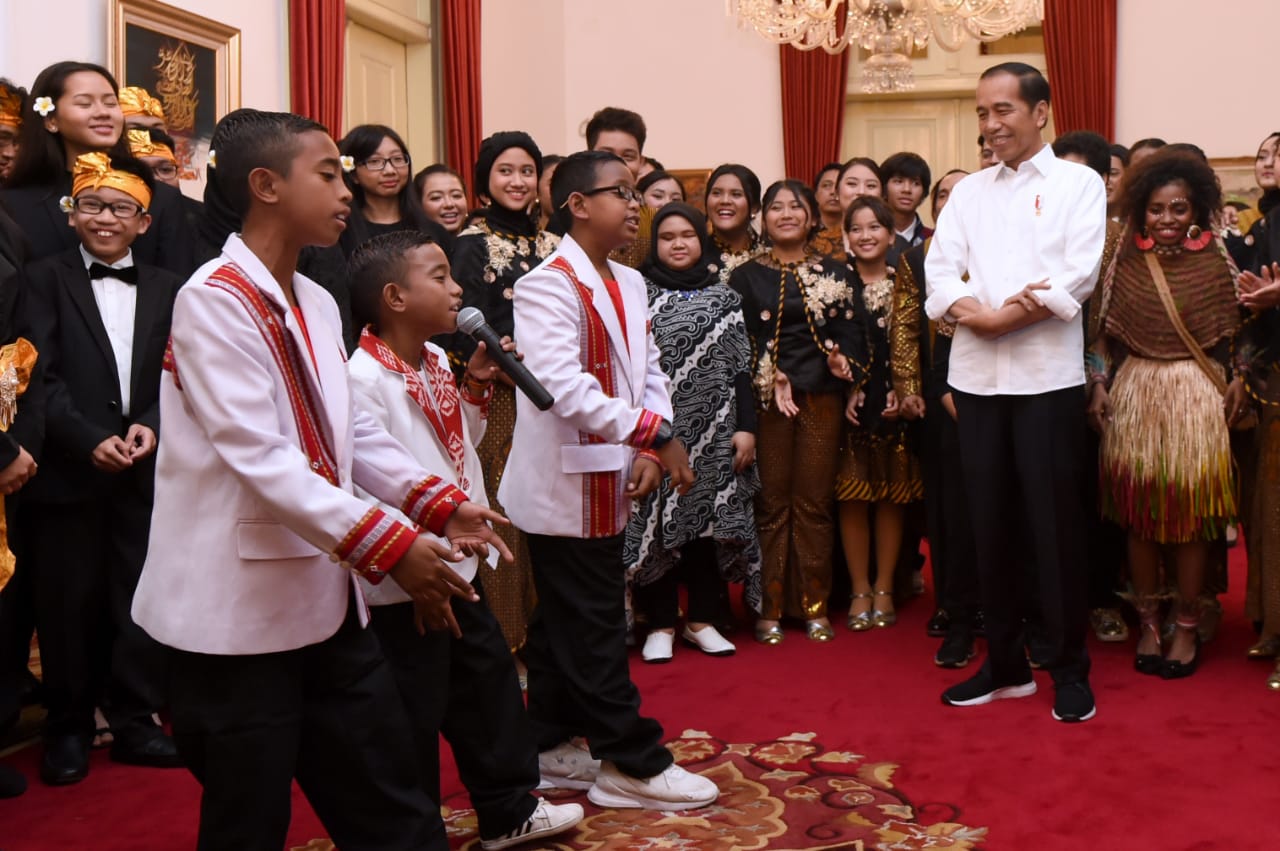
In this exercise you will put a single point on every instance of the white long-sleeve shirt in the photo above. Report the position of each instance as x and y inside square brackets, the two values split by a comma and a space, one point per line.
[1006, 229]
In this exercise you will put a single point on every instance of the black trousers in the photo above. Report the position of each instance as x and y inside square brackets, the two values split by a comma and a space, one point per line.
[86, 558]
[951, 548]
[467, 689]
[579, 679]
[1022, 462]
[1107, 541]
[327, 714]
[17, 617]
[708, 592]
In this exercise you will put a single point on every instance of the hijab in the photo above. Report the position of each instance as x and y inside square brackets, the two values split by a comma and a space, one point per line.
[498, 217]
[704, 272]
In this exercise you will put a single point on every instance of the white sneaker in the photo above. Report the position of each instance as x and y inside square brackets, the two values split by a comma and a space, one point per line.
[658, 647]
[567, 766]
[673, 789]
[547, 820]
[709, 641]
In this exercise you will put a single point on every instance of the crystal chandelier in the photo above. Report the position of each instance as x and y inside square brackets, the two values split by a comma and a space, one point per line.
[890, 29]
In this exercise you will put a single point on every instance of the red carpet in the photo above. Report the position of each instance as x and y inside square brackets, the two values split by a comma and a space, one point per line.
[1165, 765]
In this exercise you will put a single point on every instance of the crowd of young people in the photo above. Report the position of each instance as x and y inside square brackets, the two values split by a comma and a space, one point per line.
[738, 379]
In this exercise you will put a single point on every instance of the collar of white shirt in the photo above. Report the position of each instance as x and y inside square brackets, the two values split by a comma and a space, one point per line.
[124, 262]
[910, 233]
[1042, 161]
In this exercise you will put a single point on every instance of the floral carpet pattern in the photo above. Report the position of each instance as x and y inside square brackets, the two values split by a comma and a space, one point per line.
[790, 794]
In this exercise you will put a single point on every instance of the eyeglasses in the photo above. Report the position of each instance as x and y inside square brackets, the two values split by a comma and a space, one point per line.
[119, 209]
[398, 162]
[622, 191]
[165, 170]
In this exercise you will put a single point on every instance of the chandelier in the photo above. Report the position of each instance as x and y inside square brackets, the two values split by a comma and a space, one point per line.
[890, 29]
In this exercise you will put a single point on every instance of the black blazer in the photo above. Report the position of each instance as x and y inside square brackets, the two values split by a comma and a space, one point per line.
[83, 391]
[169, 243]
[27, 431]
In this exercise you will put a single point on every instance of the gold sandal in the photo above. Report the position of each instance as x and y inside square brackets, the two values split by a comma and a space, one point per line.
[882, 618]
[861, 621]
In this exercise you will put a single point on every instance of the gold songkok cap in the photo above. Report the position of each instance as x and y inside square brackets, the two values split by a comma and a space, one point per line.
[142, 145]
[10, 107]
[135, 100]
[94, 171]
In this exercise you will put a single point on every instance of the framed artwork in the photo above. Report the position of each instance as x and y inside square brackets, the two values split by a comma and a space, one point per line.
[1237, 179]
[190, 63]
[694, 181]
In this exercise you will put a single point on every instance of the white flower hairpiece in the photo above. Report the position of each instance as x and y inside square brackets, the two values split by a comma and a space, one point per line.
[66, 204]
[44, 106]
[213, 158]
[348, 163]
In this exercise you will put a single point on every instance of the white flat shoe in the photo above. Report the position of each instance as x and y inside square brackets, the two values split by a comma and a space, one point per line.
[673, 789]
[547, 820]
[709, 641]
[658, 647]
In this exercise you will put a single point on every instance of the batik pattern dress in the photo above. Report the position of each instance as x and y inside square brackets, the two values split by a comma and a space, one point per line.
[703, 349]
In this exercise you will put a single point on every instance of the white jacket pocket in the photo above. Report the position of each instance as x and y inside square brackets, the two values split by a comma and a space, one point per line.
[594, 458]
[266, 540]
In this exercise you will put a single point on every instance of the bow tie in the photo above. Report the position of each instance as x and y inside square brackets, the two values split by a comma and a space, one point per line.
[129, 274]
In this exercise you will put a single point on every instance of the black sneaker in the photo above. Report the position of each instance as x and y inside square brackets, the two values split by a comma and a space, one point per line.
[938, 624]
[1074, 703]
[981, 688]
[957, 649]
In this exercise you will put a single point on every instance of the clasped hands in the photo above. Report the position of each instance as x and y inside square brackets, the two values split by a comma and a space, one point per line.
[1019, 310]
[118, 453]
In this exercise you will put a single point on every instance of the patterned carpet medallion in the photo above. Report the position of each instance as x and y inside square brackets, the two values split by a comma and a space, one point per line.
[790, 794]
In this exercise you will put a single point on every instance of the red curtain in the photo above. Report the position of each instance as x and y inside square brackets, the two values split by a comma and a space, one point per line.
[316, 39]
[813, 95]
[460, 54]
[1080, 51]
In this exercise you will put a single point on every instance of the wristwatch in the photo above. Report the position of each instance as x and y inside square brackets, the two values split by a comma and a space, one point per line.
[664, 435]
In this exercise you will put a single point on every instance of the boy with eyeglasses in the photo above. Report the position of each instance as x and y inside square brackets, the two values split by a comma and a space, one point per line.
[100, 322]
[569, 480]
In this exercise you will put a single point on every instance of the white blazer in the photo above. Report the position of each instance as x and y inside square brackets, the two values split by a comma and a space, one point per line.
[248, 544]
[381, 394]
[546, 488]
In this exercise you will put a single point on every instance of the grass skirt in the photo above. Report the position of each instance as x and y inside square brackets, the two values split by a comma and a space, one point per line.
[1165, 464]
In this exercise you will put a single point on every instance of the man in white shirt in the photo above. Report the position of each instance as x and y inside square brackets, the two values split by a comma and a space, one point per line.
[1015, 257]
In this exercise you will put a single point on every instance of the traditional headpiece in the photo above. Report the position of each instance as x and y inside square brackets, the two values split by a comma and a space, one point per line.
[94, 171]
[135, 100]
[142, 145]
[10, 107]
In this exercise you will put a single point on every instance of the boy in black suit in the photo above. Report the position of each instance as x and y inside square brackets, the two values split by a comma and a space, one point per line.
[101, 323]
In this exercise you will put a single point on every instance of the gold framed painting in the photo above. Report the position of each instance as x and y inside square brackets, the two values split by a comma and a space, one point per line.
[189, 62]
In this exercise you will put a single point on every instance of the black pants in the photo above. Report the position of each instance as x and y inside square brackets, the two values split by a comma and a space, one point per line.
[17, 617]
[708, 592]
[1021, 457]
[579, 680]
[1107, 541]
[951, 549]
[86, 558]
[467, 689]
[327, 714]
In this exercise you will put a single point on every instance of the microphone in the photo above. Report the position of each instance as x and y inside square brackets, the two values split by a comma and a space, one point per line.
[471, 322]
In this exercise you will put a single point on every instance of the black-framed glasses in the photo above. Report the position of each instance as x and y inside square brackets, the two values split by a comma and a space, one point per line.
[398, 161]
[622, 191]
[166, 170]
[119, 209]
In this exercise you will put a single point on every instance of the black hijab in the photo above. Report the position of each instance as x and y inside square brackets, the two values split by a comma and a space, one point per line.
[701, 274]
[498, 217]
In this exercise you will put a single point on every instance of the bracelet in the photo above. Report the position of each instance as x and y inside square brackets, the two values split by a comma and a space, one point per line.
[474, 383]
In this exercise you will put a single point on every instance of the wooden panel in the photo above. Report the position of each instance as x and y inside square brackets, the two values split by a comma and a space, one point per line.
[377, 73]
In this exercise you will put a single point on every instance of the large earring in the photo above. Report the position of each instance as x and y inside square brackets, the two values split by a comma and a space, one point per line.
[1143, 241]
[1196, 239]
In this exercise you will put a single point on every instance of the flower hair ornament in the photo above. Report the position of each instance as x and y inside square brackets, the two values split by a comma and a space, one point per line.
[212, 159]
[348, 163]
[44, 106]
[67, 204]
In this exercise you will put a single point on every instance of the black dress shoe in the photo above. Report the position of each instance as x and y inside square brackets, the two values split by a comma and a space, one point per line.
[1172, 669]
[65, 760]
[147, 745]
[957, 649]
[12, 783]
[938, 624]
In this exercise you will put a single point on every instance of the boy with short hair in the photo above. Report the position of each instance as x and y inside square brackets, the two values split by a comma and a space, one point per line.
[570, 476]
[100, 322]
[464, 686]
[622, 133]
[906, 185]
[258, 539]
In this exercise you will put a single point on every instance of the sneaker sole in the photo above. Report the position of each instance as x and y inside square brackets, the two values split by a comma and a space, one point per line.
[1005, 693]
[564, 783]
[619, 801]
[553, 830]
[661, 660]
[696, 646]
[1092, 712]
[956, 665]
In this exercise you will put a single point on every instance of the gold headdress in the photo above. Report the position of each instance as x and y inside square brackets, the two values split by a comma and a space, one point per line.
[94, 171]
[135, 100]
[141, 145]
